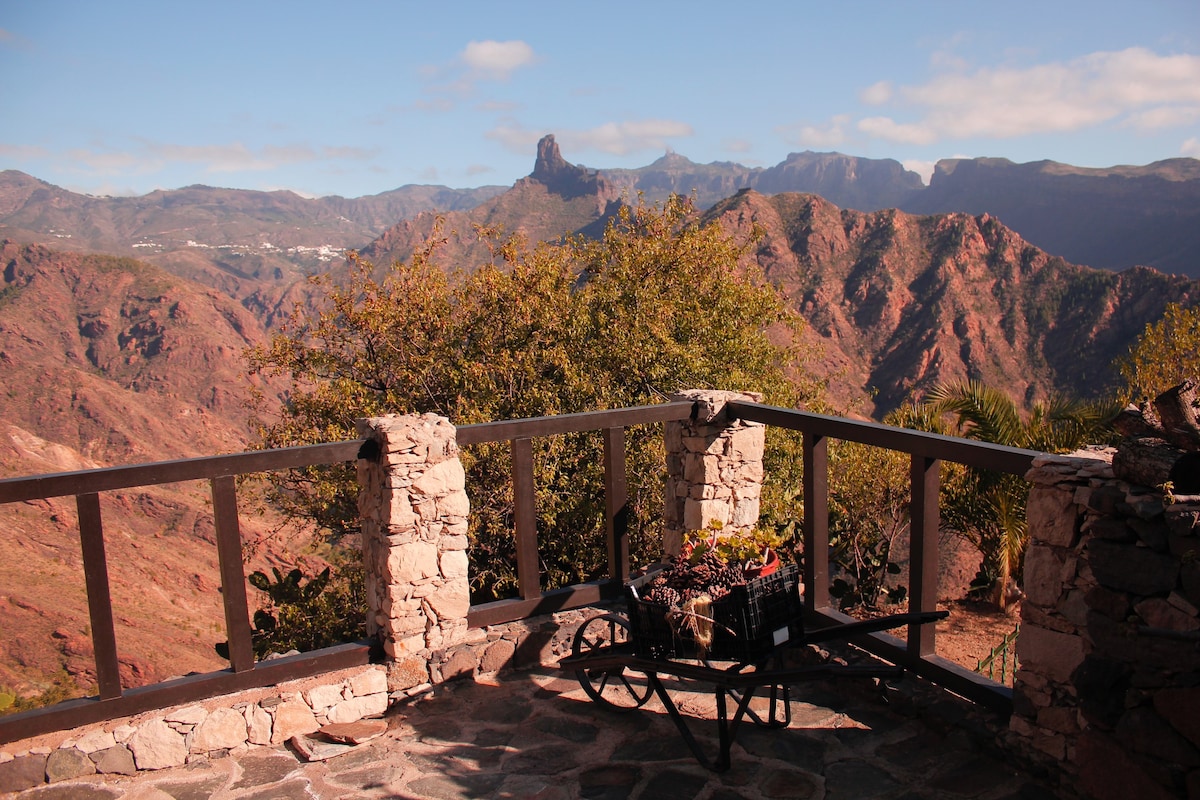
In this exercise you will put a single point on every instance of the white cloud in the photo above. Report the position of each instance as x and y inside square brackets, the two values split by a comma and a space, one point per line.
[498, 106]
[888, 128]
[448, 83]
[616, 138]
[22, 152]
[1134, 86]
[112, 163]
[829, 134]
[149, 157]
[478, 169]
[877, 93]
[497, 60]
[622, 138]
[737, 145]
[514, 138]
[1164, 117]
[1190, 147]
[922, 168]
[438, 105]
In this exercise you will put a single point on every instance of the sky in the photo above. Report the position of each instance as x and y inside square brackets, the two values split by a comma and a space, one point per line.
[356, 98]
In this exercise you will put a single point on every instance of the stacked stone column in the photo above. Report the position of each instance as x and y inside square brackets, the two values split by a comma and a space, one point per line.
[413, 505]
[714, 468]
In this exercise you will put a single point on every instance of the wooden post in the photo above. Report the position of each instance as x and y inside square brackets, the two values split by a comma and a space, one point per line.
[233, 574]
[923, 563]
[525, 519]
[616, 504]
[95, 576]
[816, 521]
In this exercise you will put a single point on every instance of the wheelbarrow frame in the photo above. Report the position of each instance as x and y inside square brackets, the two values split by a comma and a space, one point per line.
[593, 661]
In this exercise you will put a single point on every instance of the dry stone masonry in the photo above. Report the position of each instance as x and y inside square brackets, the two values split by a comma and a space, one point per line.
[180, 735]
[714, 468]
[413, 506]
[1109, 683]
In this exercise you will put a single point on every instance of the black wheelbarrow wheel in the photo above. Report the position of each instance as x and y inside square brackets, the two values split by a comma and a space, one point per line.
[616, 688]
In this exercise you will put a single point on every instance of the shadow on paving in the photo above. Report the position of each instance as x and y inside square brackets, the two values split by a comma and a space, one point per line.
[538, 735]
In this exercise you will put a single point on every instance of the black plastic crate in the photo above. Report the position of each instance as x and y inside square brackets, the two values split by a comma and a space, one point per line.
[751, 620]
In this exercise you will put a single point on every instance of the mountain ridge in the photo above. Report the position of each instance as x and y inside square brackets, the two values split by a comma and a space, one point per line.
[1109, 217]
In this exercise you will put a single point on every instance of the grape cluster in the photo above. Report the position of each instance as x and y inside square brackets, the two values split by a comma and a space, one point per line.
[682, 580]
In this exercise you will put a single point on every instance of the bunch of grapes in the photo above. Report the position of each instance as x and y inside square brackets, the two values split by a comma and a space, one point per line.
[682, 580]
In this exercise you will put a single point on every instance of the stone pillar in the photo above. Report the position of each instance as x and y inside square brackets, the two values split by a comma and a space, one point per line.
[714, 468]
[413, 507]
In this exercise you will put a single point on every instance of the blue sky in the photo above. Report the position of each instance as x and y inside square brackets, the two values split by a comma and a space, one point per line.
[356, 98]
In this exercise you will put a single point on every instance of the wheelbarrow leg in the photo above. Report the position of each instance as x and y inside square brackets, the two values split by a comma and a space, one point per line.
[726, 727]
[780, 695]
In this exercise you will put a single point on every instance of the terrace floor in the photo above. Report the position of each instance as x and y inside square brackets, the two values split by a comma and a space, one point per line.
[536, 735]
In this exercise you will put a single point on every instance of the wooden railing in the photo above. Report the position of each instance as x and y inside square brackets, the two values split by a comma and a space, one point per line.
[519, 433]
[113, 699]
[926, 450]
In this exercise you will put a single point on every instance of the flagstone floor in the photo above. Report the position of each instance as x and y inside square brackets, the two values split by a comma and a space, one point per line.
[536, 735]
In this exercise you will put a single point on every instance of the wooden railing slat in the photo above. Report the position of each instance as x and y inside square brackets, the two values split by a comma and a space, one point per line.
[233, 574]
[95, 576]
[923, 564]
[816, 520]
[616, 503]
[525, 519]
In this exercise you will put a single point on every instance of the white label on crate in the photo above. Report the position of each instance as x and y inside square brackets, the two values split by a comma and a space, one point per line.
[780, 636]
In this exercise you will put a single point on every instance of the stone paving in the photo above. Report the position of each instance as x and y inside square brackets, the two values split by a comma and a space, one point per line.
[536, 735]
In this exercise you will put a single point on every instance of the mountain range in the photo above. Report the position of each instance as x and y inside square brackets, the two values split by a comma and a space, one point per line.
[1112, 218]
[123, 322]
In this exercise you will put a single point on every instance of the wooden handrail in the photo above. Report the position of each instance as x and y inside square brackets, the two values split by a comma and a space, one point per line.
[926, 451]
[519, 434]
[107, 479]
[534, 427]
[983, 455]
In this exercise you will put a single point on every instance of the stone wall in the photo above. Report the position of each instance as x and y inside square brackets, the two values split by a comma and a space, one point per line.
[714, 468]
[208, 729]
[1109, 683]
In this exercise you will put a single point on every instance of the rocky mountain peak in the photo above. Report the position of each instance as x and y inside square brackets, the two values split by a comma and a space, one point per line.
[566, 179]
[550, 164]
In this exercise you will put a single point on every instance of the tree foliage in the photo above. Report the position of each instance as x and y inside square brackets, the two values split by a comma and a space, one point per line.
[985, 506]
[307, 613]
[868, 511]
[1166, 354]
[658, 304]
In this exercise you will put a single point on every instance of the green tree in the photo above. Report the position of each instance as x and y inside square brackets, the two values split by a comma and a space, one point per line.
[868, 511]
[659, 303]
[1166, 354]
[989, 507]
